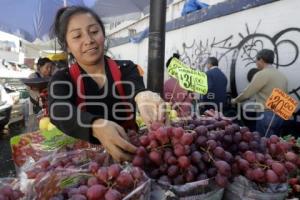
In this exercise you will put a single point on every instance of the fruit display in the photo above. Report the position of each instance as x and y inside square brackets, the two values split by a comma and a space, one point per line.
[9, 189]
[111, 182]
[213, 147]
[203, 154]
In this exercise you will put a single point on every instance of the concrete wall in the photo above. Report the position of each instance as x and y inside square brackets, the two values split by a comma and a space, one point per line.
[235, 40]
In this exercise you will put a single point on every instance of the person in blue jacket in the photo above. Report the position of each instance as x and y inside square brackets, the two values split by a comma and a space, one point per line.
[217, 84]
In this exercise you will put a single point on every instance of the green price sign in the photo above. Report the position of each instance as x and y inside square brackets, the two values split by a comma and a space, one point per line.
[189, 79]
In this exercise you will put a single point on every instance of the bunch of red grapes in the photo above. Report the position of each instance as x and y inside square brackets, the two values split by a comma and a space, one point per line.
[24, 149]
[213, 147]
[73, 160]
[107, 183]
[178, 156]
[8, 193]
[31, 146]
[270, 166]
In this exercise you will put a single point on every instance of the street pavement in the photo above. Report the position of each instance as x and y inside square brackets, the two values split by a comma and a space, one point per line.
[7, 168]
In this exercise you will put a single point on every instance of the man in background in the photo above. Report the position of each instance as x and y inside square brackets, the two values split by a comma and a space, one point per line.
[261, 86]
[217, 84]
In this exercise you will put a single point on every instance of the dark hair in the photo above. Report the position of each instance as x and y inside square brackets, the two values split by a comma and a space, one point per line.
[62, 18]
[266, 55]
[213, 61]
[175, 55]
[42, 61]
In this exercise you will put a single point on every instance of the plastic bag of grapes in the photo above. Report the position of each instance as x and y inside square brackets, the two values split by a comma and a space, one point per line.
[204, 189]
[30, 147]
[10, 189]
[74, 160]
[243, 189]
[112, 182]
[83, 160]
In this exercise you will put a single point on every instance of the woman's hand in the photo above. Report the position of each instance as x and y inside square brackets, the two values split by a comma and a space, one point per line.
[151, 107]
[114, 139]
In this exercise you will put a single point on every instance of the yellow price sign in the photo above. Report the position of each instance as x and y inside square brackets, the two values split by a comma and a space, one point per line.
[189, 79]
[173, 66]
[281, 104]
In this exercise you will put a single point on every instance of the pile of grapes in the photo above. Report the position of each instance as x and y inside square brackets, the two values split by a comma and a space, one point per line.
[8, 193]
[109, 183]
[213, 147]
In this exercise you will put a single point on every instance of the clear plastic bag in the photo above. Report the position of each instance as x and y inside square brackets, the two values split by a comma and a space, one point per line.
[243, 189]
[66, 184]
[10, 189]
[72, 160]
[30, 147]
[205, 189]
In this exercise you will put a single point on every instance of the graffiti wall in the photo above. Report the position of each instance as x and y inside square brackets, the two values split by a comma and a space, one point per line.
[235, 39]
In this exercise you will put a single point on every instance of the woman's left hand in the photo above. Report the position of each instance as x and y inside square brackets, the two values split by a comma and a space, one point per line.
[151, 107]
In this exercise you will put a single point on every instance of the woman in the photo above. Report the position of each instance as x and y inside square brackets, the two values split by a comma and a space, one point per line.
[90, 100]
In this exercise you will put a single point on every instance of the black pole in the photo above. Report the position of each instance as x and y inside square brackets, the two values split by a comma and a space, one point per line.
[156, 47]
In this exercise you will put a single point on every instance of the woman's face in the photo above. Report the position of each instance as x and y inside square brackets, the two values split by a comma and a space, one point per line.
[46, 69]
[85, 39]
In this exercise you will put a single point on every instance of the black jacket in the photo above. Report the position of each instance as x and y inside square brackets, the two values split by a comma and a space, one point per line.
[71, 120]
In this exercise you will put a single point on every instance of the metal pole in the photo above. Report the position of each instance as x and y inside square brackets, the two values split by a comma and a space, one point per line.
[156, 47]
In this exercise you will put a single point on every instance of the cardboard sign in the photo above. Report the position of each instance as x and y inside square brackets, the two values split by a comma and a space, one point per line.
[281, 104]
[189, 79]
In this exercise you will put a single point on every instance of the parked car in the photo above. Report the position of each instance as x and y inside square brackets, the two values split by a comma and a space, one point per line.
[6, 104]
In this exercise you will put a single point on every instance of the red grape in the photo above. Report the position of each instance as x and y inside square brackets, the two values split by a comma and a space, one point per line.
[125, 180]
[271, 176]
[96, 192]
[113, 171]
[183, 162]
[223, 167]
[221, 180]
[113, 194]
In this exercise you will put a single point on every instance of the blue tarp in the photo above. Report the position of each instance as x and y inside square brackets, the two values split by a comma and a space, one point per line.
[191, 6]
[140, 36]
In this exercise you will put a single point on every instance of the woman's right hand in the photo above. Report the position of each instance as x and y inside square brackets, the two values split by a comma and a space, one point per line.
[114, 139]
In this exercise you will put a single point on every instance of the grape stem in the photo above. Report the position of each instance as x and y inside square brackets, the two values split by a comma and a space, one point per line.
[208, 152]
[262, 165]
[163, 146]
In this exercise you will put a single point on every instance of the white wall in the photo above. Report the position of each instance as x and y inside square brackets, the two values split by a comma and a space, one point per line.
[235, 40]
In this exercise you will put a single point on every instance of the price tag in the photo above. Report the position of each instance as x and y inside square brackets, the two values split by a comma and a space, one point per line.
[281, 104]
[173, 66]
[189, 79]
